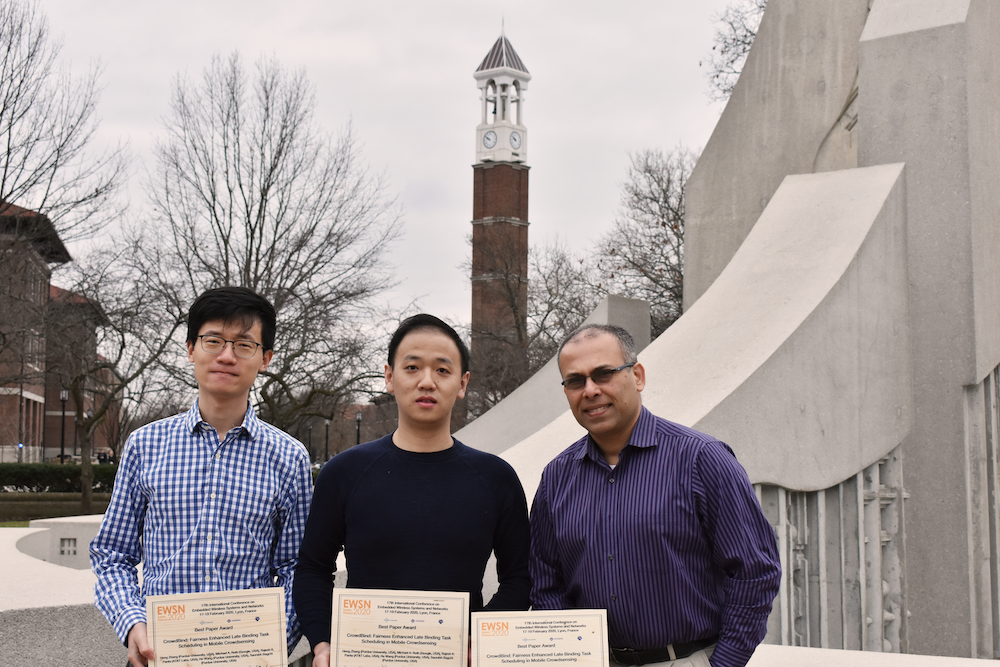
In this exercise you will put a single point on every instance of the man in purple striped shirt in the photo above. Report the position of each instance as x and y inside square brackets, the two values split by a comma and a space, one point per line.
[653, 521]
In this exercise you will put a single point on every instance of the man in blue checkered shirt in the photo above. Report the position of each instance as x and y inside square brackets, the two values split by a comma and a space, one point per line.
[212, 499]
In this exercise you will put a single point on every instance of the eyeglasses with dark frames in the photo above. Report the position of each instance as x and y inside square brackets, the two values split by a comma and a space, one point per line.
[216, 344]
[600, 376]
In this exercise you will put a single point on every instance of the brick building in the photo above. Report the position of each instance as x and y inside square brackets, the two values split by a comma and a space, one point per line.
[29, 246]
[32, 311]
[71, 349]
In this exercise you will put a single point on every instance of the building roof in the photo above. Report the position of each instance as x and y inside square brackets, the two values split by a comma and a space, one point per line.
[502, 55]
[65, 296]
[59, 295]
[36, 229]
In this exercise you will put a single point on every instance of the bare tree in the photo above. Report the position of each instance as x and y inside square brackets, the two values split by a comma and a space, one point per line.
[47, 124]
[737, 28]
[642, 257]
[152, 396]
[103, 339]
[249, 191]
[560, 298]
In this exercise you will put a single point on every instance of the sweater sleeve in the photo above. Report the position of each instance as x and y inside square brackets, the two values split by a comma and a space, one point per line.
[322, 542]
[511, 544]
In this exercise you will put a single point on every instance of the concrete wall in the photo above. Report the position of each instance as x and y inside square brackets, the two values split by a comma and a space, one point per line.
[48, 544]
[795, 88]
[929, 97]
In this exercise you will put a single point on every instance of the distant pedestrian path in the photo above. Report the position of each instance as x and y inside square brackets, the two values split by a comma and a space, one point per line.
[47, 610]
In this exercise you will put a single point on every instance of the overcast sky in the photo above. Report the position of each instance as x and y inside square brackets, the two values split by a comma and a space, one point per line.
[607, 79]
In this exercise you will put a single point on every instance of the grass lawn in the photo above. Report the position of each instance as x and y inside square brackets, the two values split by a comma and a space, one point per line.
[13, 524]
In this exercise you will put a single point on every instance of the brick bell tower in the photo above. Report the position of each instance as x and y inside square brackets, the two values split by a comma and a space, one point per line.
[500, 228]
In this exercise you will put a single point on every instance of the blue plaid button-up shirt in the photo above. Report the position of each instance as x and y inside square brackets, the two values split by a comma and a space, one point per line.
[201, 515]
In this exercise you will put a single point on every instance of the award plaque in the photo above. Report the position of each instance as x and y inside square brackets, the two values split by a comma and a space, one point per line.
[572, 637]
[377, 628]
[241, 628]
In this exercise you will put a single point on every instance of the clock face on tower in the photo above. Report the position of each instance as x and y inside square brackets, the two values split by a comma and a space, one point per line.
[515, 140]
[490, 139]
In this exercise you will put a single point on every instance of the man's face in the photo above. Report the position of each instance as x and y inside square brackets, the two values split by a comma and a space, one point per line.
[224, 375]
[426, 377]
[608, 411]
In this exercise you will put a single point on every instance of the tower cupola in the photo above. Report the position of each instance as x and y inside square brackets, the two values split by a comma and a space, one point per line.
[502, 79]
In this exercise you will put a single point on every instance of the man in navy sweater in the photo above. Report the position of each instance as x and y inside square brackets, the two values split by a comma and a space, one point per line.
[415, 510]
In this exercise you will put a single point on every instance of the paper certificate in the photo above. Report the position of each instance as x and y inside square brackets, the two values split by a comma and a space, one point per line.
[378, 628]
[241, 628]
[573, 637]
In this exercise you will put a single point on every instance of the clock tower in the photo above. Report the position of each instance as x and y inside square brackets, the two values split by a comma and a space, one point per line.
[499, 229]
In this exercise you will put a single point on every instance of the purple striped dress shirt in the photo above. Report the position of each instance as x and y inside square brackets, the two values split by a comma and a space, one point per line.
[672, 542]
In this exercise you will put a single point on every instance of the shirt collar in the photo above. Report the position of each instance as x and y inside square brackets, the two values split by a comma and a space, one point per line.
[251, 423]
[643, 435]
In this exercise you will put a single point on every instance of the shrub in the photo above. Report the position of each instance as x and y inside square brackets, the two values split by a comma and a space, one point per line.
[52, 477]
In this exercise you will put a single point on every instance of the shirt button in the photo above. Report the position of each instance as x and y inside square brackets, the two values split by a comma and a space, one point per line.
[208, 538]
[610, 556]
[212, 496]
[218, 456]
[611, 480]
[614, 597]
[208, 577]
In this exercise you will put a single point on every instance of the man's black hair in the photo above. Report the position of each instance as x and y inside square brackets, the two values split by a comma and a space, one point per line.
[424, 321]
[233, 305]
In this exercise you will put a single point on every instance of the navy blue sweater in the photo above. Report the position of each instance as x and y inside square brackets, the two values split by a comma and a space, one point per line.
[413, 521]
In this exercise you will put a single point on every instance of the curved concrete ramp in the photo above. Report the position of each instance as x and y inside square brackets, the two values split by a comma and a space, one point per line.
[811, 311]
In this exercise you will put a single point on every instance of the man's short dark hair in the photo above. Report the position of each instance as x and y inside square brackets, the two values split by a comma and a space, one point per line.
[421, 322]
[233, 305]
[625, 340]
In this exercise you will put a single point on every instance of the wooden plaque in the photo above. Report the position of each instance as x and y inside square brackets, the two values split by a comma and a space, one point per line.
[570, 638]
[379, 628]
[240, 628]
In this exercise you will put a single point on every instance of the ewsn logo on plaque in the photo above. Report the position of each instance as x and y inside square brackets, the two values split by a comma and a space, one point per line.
[495, 629]
[358, 607]
[170, 612]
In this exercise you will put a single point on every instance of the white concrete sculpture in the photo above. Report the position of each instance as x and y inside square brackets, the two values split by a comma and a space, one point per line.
[842, 324]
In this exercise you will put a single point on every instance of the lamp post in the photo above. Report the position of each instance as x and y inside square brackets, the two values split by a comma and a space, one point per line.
[63, 396]
[357, 418]
[326, 447]
[309, 445]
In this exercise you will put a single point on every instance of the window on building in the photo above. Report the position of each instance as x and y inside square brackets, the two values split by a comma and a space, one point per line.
[67, 546]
